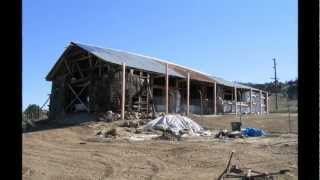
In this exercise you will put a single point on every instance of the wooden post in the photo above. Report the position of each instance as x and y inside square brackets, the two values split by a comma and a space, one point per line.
[167, 89]
[123, 90]
[147, 99]
[215, 98]
[260, 102]
[251, 100]
[139, 97]
[235, 99]
[267, 103]
[188, 94]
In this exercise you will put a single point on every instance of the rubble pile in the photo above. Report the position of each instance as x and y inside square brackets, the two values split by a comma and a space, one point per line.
[176, 124]
[110, 116]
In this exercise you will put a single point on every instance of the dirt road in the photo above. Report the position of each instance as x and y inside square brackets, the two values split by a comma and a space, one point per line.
[73, 154]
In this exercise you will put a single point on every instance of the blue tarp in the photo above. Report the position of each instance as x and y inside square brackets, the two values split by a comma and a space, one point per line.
[253, 132]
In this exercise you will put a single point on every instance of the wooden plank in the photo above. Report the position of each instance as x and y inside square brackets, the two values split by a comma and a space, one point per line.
[80, 80]
[267, 103]
[215, 98]
[148, 96]
[81, 58]
[67, 66]
[123, 90]
[167, 89]
[260, 102]
[188, 94]
[90, 60]
[79, 69]
[251, 100]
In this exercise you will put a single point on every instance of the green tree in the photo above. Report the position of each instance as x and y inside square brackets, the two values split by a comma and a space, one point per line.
[32, 111]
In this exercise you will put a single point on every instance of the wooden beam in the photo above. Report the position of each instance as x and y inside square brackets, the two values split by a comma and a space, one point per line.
[260, 102]
[123, 90]
[148, 76]
[90, 60]
[235, 99]
[78, 97]
[79, 69]
[251, 100]
[167, 89]
[81, 58]
[83, 88]
[139, 97]
[267, 103]
[67, 66]
[215, 98]
[188, 94]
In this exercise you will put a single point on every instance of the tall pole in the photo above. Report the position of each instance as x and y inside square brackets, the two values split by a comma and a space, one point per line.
[188, 94]
[215, 98]
[123, 90]
[235, 99]
[167, 89]
[275, 81]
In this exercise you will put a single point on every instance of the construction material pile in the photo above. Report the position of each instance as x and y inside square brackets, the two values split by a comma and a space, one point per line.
[177, 124]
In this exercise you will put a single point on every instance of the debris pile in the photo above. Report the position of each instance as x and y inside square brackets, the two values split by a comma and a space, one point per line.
[234, 171]
[134, 123]
[253, 132]
[108, 116]
[176, 124]
[230, 134]
[245, 132]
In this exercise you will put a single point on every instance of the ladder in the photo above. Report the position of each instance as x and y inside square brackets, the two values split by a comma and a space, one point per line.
[143, 102]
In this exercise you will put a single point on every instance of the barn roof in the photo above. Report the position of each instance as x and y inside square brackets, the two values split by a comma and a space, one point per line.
[148, 63]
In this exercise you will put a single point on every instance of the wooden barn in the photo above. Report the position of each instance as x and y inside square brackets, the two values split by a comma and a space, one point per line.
[93, 79]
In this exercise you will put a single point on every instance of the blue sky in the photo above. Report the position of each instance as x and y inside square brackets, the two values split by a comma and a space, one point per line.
[232, 39]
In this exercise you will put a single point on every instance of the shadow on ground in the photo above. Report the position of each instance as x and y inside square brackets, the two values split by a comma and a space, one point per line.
[70, 120]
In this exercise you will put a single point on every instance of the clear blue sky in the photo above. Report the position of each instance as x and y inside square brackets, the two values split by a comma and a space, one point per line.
[232, 39]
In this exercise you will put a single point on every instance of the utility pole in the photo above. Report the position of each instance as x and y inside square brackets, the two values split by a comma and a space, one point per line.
[275, 81]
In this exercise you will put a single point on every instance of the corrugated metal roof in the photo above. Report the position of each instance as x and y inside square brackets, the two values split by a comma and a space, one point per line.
[130, 59]
[153, 64]
[231, 84]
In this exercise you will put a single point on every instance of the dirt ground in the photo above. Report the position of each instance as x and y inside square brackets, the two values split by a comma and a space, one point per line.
[75, 153]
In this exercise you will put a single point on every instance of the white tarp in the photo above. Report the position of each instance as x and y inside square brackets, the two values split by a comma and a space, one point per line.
[175, 123]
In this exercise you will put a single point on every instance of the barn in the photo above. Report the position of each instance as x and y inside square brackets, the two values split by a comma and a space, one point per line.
[94, 80]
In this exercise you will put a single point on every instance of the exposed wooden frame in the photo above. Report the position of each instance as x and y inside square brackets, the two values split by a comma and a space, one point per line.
[123, 101]
[83, 88]
[81, 58]
[79, 69]
[67, 66]
[78, 97]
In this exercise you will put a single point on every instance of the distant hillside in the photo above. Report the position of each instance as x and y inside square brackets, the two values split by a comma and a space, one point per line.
[287, 95]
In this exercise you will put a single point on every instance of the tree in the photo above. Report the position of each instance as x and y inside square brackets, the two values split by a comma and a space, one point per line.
[33, 111]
